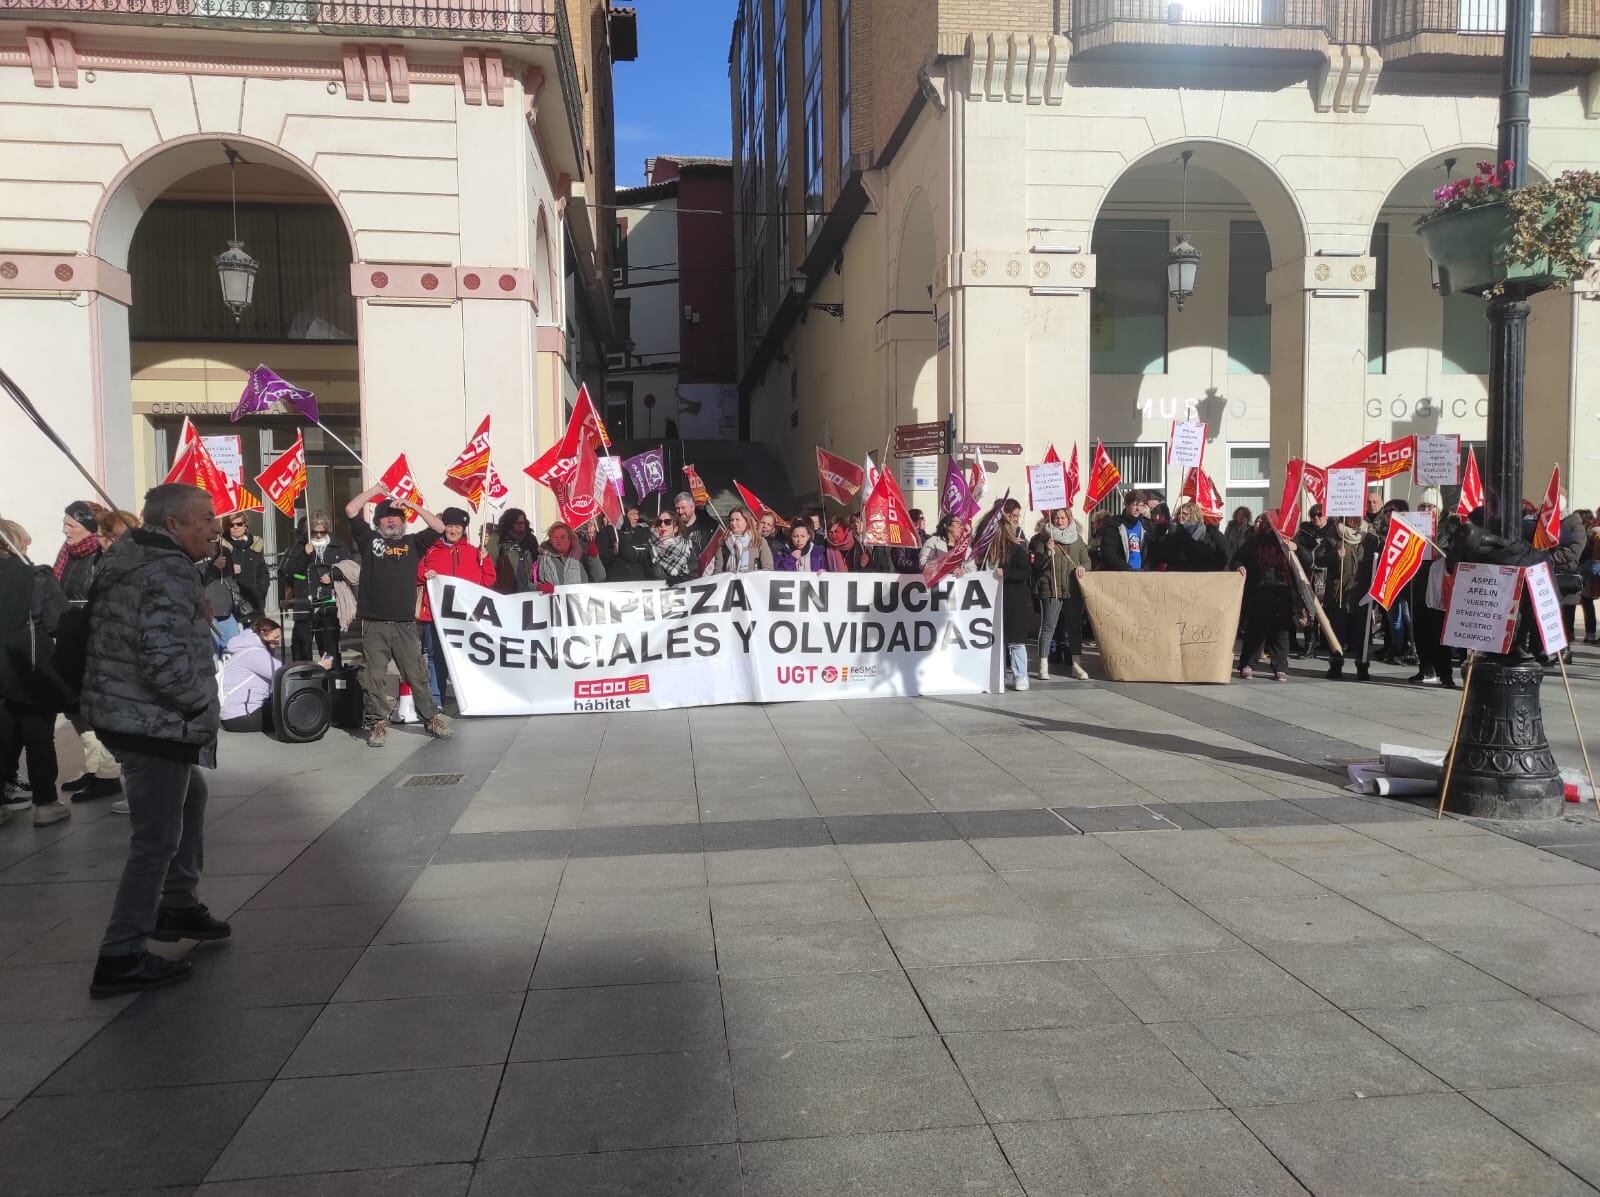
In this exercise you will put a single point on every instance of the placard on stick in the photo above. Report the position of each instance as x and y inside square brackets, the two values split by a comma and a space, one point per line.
[1483, 607]
[1047, 486]
[1438, 461]
[1188, 443]
[1347, 491]
[1425, 524]
[1546, 600]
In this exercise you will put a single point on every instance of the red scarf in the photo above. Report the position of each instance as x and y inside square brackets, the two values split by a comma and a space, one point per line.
[87, 547]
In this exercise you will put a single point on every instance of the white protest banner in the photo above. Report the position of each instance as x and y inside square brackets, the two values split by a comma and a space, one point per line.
[611, 470]
[1483, 607]
[759, 637]
[1188, 443]
[1438, 460]
[1047, 486]
[1546, 600]
[1425, 524]
[1347, 493]
[229, 456]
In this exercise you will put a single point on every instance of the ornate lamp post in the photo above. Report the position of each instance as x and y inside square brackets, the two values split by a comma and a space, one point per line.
[1504, 767]
[236, 270]
[1183, 259]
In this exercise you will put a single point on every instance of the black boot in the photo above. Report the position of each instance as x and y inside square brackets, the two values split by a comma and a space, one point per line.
[188, 922]
[114, 975]
[1362, 668]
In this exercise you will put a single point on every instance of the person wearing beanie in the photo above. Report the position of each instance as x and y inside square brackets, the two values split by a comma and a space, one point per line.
[79, 556]
[386, 601]
[452, 556]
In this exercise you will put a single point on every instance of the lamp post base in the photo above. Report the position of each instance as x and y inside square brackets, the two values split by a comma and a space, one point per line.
[1504, 768]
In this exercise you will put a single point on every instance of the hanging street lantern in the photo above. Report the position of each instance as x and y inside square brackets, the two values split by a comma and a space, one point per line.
[1183, 259]
[236, 270]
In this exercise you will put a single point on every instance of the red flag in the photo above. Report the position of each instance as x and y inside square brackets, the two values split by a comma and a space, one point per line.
[1367, 455]
[756, 506]
[1394, 457]
[886, 519]
[943, 565]
[1471, 487]
[1050, 454]
[1203, 491]
[195, 466]
[708, 555]
[284, 481]
[1547, 525]
[1288, 521]
[840, 479]
[466, 475]
[1397, 564]
[587, 492]
[1103, 475]
[402, 486]
[495, 491]
[584, 413]
[560, 461]
[697, 488]
[1315, 479]
[1072, 476]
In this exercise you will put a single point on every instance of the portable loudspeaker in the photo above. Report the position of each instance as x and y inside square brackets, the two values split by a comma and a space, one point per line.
[302, 709]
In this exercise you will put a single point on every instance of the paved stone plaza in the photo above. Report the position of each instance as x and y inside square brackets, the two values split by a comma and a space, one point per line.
[1091, 939]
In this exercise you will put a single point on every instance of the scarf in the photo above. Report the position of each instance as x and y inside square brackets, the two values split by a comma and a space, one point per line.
[739, 551]
[1350, 540]
[802, 559]
[87, 547]
[671, 556]
[1272, 569]
[1067, 535]
[1196, 530]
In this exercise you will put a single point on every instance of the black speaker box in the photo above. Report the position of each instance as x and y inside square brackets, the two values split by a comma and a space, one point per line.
[302, 707]
[349, 701]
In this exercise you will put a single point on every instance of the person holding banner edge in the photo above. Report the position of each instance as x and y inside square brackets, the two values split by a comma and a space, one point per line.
[1060, 558]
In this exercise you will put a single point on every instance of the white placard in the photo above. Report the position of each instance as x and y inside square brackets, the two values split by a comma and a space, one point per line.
[1438, 460]
[760, 637]
[1483, 607]
[919, 473]
[1188, 443]
[611, 470]
[228, 454]
[1546, 599]
[1347, 493]
[1424, 523]
[1047, 486]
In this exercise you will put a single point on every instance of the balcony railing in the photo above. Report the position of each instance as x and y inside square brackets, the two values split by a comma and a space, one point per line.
[1268, 14]
[1400, 19]
[531, 17]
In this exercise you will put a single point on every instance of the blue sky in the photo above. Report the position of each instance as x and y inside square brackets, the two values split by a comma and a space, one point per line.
[674, 99]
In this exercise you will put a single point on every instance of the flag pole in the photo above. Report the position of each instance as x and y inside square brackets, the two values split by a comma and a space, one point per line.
[1455, 736]
[22, 401]
[1587, 767]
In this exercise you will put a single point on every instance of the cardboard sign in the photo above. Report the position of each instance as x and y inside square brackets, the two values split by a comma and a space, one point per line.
[227, 453]
[1165, 627]
[1347, 493]
[1546, 600]
[1483, 607]
[1188, 443]
[1438, 460]
[1426, 523]
[1047, 486]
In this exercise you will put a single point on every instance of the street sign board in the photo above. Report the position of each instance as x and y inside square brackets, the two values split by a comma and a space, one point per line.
[920, 440]
[992, 448]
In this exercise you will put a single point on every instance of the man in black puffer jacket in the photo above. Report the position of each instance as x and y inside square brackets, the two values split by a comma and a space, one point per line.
[632, 560]
[150, 692]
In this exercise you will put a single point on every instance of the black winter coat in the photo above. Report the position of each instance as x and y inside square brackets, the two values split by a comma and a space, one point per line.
[1112, 553]
[1181, 553]
[1021, 621]
[26, 592]
[632, 560]
[300, 574]
[149, 674]
[78, 575]
[252, 577]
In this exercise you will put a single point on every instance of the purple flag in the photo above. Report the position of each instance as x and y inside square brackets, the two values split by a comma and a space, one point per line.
[648, 471]
[956, 496]
[264, 390]
[987, 528]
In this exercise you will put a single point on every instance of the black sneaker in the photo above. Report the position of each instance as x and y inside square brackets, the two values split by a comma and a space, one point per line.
[188, 922]
[115, 975]
[82, 782]
[96, 787]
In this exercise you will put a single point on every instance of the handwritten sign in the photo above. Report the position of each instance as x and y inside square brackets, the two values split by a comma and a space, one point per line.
[1047, 486]
[1188, 443]
[1546, 599]
[1347, 490]
[1165, 627]
[1483, 607]
[1438, 460]
[1424, 523]
[611, 471]
[227, 453]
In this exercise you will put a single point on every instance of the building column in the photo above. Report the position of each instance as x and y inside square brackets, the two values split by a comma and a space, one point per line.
[1319, 358]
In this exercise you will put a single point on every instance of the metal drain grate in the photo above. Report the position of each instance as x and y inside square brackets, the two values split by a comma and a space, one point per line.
[431, 779]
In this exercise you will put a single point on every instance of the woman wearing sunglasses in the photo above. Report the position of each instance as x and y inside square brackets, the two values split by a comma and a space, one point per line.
[672, 558]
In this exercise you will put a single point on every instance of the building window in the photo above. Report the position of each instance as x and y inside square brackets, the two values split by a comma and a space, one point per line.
[1378, 303]
[1249, 317]
[780, 83]
[811, 65]
[619, 252]
[1143, 467]
[1128, 311]
[785, 267]
[1249, 477]
[1465, 344]
[1489, 16]
[844, 81]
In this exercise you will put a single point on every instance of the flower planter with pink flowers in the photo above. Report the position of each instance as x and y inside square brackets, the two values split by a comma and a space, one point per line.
[1484, 236]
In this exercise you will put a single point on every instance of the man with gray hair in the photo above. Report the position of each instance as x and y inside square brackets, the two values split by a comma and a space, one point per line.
[150, 693]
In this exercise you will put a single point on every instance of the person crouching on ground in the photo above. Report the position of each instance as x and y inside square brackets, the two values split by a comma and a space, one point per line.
[150, 692]
[1060, 557]
[247, 672]
[387, 604]
[452, 557]
[567, 561]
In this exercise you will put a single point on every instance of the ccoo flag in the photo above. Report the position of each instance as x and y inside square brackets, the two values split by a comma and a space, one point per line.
[1471, 487]
[1103, 475]
[839, 479]
[1547, 524]
[284, 481]
[401, 484]
[1397, 563]
[886, 521]
[468, 473]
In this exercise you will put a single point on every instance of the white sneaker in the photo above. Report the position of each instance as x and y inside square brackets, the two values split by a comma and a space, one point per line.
[1022, 682]
[51, 813]
[1079, 672]
[120, 806]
